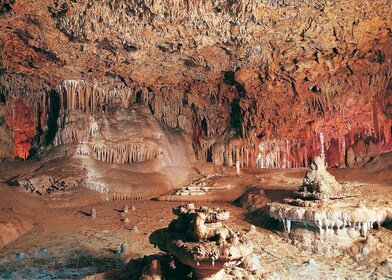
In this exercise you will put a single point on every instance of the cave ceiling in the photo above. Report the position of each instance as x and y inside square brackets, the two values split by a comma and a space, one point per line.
[260, 70]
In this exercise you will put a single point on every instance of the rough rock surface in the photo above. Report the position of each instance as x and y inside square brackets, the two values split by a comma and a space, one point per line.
[267, 83]
[13, 226]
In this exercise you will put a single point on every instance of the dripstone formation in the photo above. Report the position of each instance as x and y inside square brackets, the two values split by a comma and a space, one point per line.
[263, 83]
[320, 184]
[326, 215]
[198, 239]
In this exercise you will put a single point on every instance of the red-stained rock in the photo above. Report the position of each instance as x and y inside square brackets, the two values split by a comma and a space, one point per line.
[20, 119]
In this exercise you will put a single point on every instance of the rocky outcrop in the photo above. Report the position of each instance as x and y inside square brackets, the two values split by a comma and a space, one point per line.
[44, 184]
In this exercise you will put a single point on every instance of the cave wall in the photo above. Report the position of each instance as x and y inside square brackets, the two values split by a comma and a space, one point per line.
[266, 83]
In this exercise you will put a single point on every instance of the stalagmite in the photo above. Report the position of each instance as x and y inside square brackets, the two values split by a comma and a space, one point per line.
[93, 212]
[210, 244]
[330, 207]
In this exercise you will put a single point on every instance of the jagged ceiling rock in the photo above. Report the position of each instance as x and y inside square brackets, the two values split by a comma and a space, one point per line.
[266, 70]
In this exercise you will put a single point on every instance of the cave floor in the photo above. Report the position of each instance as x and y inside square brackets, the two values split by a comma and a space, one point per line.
[66, 243]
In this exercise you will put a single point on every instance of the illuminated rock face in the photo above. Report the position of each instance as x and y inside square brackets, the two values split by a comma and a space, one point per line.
[265, 83]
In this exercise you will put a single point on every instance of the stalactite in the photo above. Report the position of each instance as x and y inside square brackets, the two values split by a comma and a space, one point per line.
[126, 152]
[97, 187]
[126, 196]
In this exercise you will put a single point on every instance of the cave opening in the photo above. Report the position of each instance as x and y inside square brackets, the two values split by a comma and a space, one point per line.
[229, 79]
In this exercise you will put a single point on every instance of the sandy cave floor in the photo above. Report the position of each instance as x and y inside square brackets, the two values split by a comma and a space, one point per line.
[65, 243]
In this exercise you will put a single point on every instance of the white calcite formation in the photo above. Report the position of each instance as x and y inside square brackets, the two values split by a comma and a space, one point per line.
[107, 139]
[327, 215]
[198, 239]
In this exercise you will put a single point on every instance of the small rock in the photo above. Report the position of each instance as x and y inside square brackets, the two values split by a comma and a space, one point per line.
[311, 262]
[252, 229]
[20, 256]
[125, 209]
[126, 220]
[134, 229]
[123, 248]
[365, 250]
[251, 263]
[133, 208]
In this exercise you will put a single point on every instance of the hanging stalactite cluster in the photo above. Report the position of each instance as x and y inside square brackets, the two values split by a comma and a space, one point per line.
[125, 153]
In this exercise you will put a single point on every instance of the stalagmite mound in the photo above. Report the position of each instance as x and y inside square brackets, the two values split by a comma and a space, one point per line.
[327, 216]
[320, 184]
[198, 239]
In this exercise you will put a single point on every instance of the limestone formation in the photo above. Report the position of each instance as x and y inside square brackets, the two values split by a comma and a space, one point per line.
[251, 81]
[320, 184]
[134, 229]
[327, 215]
[198, 239]
[359, 154]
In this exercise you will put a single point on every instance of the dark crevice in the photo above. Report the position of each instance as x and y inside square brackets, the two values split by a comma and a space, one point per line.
[53, 114]
[236, 116]
[2, 98]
